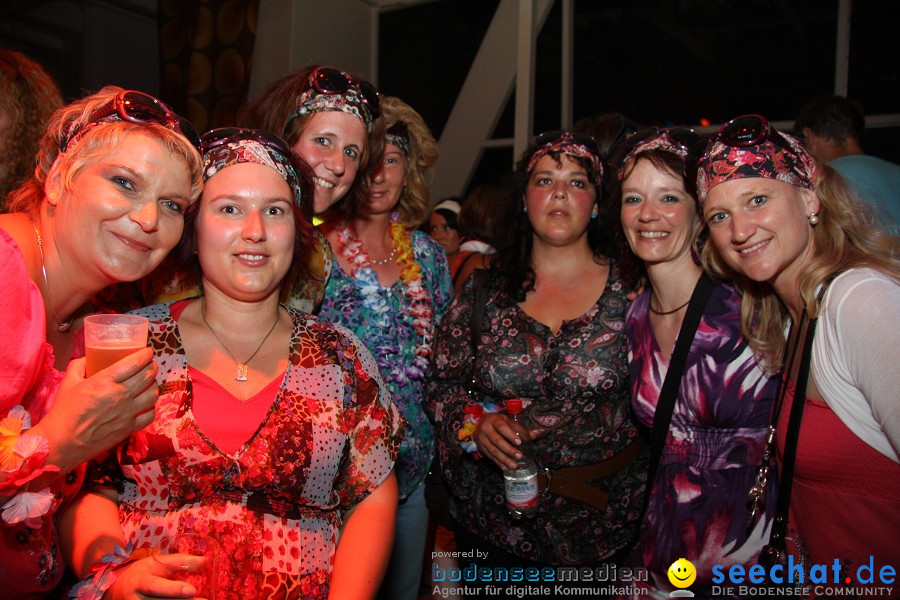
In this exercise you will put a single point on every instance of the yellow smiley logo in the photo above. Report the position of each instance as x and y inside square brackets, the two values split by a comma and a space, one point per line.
[682, 573]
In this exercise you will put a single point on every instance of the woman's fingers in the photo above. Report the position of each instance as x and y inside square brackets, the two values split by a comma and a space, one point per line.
[497, 440]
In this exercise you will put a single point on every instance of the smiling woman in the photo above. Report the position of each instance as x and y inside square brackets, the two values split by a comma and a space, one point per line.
[390, 286]
[115, 173]
[333, 121]
[274, 428]
[807, 253]
[720, 387]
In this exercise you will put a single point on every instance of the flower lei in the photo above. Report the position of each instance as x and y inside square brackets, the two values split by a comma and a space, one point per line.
[22, 459]
[419, 308]
[103, 574]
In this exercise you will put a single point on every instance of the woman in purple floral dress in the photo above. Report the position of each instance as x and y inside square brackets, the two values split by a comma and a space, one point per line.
[553, 335]
[273, 434]
[698, 502]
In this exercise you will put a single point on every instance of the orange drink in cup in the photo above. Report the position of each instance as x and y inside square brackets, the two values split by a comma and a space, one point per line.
[109, 338]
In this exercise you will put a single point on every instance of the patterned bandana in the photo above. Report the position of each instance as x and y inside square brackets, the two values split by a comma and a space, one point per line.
[767, 160]
[312, 101]
[566, 144]
[398, 135]
[251, 151]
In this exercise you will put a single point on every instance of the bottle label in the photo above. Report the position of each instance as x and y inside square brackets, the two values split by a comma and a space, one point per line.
[522, 493]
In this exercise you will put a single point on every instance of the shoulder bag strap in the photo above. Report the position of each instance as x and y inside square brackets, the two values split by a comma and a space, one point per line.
[480, 279]
[665, 406]
[771, 552]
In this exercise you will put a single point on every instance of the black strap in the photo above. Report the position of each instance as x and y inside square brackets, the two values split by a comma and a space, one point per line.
[770, 553]
[480, 278]
[459, 269]
[665, 406]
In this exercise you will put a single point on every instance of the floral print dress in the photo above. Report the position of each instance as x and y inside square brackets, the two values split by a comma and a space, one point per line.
[380, 317]
[275, 505]
[698, 504]
[575, 387]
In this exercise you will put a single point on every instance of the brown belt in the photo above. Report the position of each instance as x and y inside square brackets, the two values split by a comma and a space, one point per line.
[572, 482]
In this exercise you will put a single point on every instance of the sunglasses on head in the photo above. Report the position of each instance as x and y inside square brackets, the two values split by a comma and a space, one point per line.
[328, 80]
[740, 132]
[549, 138]
[680, 137]
[624, 129]
[225, 135]
[400, 128]
[136, 107]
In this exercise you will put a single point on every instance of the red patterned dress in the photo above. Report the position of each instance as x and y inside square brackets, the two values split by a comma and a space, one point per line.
[276, 504]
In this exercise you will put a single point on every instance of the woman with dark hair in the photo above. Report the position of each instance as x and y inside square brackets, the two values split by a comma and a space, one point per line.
[390, 286]
[274, 432]
[551, 335]
[332, 120]
[805, 250]
[115, 173]
[715, 417]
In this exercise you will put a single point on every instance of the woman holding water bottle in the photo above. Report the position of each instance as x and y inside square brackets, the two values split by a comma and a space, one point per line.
[551, 335]
[275, 434]
[113, 177]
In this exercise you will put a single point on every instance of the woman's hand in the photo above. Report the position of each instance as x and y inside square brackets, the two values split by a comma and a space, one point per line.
[89, 416]
[149, 578]
[498, 437]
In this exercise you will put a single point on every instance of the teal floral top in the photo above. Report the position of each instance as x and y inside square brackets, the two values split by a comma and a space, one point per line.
[381, 317]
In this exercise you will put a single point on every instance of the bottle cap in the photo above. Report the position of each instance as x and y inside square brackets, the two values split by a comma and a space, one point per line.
[514, 406]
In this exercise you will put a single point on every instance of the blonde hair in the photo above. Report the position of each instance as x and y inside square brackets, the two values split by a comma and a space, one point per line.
[415, 199]
[846, 237]
[95, 142]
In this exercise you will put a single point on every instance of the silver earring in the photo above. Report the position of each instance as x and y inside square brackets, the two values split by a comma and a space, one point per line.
[813, 219]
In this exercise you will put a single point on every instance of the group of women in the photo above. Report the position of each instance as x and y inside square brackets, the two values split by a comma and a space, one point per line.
[301, 443]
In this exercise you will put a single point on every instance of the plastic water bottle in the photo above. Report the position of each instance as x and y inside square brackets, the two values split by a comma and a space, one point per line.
[522, 482]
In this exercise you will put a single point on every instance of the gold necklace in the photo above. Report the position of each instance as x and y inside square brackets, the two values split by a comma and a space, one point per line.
[240, 373]
[61, 326]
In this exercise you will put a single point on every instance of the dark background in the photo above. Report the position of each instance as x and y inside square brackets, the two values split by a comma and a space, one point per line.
[657, 61]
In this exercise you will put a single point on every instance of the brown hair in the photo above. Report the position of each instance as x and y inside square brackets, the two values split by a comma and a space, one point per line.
[272, 112]
[28, 96]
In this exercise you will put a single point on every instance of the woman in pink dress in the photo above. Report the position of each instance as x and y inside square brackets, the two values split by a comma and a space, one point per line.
[106, 203]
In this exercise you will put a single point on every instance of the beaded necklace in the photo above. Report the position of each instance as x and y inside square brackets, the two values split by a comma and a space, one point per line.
[420, 304]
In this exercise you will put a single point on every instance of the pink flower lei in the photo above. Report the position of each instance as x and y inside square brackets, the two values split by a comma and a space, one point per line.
[351, 249]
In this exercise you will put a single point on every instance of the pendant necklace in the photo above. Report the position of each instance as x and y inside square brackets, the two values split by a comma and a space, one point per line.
[240, 373]
[61, 326]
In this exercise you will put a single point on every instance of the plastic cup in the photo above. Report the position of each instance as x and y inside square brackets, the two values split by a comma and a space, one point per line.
[191, 558]
[109, 338]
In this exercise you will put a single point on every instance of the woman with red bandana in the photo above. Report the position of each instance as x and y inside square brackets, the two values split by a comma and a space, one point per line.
[808, 256]
[716, 434]
[552, 335]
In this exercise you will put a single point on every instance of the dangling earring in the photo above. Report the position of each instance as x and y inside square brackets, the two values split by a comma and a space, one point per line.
[813, 219]
[51, 197]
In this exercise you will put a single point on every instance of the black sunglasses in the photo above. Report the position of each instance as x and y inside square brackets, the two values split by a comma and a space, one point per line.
[329, 80]
[680, 137]
[137, 107]
[548, 138]
[740, 132]
[224, 135]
